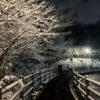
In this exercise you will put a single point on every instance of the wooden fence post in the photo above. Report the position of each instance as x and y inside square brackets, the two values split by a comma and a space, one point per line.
[33, 80]
[45, 74]
[40, 77]
[75, 78]
[0, 93]
[86, 88]
[49, 74]
[53, 71]
[60, 70]
[56, 71]
[22, 94]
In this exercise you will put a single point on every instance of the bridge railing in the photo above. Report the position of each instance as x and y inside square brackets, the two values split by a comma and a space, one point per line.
[84, 84]
[29, 83]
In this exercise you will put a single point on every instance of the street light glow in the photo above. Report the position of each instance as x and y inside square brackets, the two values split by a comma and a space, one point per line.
[88, 50]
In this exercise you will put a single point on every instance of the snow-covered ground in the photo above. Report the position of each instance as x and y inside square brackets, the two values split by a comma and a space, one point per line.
[80, 62]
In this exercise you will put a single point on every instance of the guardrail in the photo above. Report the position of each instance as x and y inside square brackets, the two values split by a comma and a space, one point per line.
[31, 82]
[84, 84]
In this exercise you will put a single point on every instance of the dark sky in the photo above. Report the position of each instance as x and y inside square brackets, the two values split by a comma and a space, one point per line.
[89, 36]
[88, 13]
[88, 10]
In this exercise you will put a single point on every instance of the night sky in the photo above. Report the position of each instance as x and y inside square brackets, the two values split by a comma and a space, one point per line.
[88, 12]
[87, 35]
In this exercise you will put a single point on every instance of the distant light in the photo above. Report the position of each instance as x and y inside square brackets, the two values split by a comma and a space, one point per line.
[87, 50]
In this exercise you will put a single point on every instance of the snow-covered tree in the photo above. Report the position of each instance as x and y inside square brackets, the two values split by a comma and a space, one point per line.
[28, 24]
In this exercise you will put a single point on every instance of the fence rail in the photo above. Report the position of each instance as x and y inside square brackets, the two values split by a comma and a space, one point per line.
[85, 86]
[29, 83]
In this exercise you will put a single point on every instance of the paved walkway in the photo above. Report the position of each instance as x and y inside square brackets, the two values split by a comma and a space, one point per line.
[57, 89]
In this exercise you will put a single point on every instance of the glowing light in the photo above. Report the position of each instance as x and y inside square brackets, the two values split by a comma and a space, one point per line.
[87, 50]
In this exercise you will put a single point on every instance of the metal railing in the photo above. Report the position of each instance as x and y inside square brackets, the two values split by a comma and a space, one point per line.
[85, 85]
[29, 83]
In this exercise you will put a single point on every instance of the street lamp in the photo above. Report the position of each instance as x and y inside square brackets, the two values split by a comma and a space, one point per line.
[88, 50]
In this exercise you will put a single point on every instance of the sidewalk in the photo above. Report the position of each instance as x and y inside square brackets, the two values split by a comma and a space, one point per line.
[57, 89]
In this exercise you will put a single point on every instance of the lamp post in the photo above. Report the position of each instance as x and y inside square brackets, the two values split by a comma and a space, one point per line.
[88, 51]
